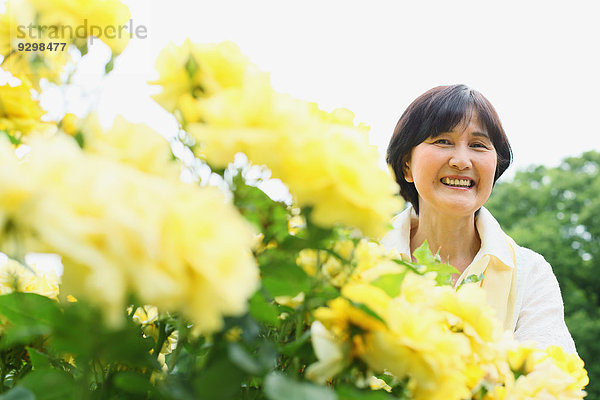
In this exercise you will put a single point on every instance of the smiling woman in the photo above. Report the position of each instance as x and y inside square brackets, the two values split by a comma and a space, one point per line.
[447, 151]
[453, 172]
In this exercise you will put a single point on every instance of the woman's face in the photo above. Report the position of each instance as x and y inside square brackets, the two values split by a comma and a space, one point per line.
[454, 172]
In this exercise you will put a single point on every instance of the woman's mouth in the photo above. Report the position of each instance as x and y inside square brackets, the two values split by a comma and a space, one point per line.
[462, 183]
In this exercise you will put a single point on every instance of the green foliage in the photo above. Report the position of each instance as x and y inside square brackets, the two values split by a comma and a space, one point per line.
[42, 334]
[556, 212]
[350, 393]
[281, 387]
[471, 279]
[18, 393]
[280, 274]
[264, 310]
[29, 316]
[432, 263]
[50, 384]
[390, 283]
[14, 140]
[268, 216]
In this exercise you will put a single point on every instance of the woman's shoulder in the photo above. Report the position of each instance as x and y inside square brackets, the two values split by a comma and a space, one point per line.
[530, 261]
[537, 286]
[532, 269]
[523, 255]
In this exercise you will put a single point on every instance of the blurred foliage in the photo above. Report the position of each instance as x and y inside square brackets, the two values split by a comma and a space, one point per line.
[556, 212]
[54, 350]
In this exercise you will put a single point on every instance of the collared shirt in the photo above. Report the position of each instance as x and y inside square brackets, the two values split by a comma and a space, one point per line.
[518, 282]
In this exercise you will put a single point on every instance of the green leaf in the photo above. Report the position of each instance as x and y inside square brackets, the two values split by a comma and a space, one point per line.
[240, 357]
[316, 236]
[83, 332]
[18, 393]
[14, 140]
[280, 274]
[23, 334]
[109, 65]
[350, 393]
[191, 66]
[222, 380]
[321, 295]
[83, 47]
[424, 255]
[390, 283]
[432, 263]
[270, 217]
[50, 384]
[80, 329]
[132, 382]
[471, 279]
[267, 355]
[280, 387]
[30, 315]
[264, 311]
[79, 138]
[29, 309]
[366, 310]
[291, 348]
[126, 346]
[38, 359]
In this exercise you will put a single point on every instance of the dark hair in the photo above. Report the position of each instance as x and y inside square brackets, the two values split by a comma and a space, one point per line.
[437, 111]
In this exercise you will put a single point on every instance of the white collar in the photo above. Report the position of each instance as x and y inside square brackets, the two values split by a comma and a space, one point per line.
[494, 241]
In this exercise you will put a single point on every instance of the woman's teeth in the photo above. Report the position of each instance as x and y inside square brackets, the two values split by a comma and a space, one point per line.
[457, 182]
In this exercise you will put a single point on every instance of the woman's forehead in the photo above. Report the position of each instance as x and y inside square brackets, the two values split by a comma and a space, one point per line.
[470, 124]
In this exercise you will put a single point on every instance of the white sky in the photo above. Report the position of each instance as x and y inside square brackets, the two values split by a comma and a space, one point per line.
[538, 62]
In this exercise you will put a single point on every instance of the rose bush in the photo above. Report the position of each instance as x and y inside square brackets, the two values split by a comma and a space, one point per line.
[208, 288]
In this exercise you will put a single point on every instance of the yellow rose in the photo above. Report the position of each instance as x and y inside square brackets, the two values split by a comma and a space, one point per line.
[545, 381]
[120, 230]
[372, 261]
[569, 363]
[193, 71]
[468, 313]
[325, 160]
[417, 346]
[7, 22]
[289, 301]
[30, 66]
[520, 358]
[70, 16]
[332, 354]
[308, 260]
[20, 114]
[145, 315]
[70, 124]
[379, 384]
[15, 277]
[136, 145]
[318, 172]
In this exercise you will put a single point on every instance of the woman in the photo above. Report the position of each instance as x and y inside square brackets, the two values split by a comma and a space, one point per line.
[447, 151]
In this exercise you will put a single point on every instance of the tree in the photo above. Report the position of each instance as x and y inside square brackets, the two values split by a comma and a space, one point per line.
[556, 212]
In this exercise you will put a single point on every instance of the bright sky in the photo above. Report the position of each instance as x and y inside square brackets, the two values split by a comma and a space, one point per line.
[538, 62]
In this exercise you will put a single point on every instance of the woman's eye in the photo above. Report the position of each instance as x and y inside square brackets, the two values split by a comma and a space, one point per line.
[441, 141]
[480, 145]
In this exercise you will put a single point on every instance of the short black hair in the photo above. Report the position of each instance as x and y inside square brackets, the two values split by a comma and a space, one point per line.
[440, 110]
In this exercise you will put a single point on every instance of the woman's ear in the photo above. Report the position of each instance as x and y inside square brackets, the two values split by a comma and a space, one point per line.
[407, 172]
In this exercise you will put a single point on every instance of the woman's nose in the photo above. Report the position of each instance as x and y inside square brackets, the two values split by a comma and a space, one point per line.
[460, 158]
